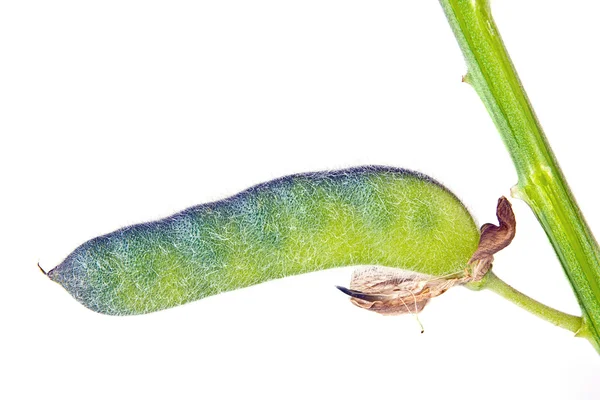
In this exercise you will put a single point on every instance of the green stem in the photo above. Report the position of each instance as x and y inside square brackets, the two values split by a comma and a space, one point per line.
[558, 318]
[541, 182]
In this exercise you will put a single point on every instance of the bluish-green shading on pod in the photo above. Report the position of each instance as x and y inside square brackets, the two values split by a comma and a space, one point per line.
[300, 223]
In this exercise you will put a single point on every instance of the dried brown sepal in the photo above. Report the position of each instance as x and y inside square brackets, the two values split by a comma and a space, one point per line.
[493, 239]
[383, 304]
[391, 291]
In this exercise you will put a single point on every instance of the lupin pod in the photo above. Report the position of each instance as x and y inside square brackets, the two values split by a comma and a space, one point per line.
[300, 223]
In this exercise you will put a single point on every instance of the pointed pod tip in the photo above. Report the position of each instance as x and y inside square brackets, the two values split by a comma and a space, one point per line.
[42, 269]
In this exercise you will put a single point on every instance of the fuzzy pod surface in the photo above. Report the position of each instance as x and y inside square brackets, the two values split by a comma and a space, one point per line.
[296, 224]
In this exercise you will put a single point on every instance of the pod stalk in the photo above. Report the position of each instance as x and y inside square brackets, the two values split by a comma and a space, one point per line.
[566, 321]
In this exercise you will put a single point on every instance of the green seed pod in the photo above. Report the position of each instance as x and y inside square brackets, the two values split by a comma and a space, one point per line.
[296, 224]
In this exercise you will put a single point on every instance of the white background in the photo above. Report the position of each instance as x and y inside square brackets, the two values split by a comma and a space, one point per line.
[118, 112]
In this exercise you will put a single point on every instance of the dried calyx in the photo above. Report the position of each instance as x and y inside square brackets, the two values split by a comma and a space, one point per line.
[391, 291]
